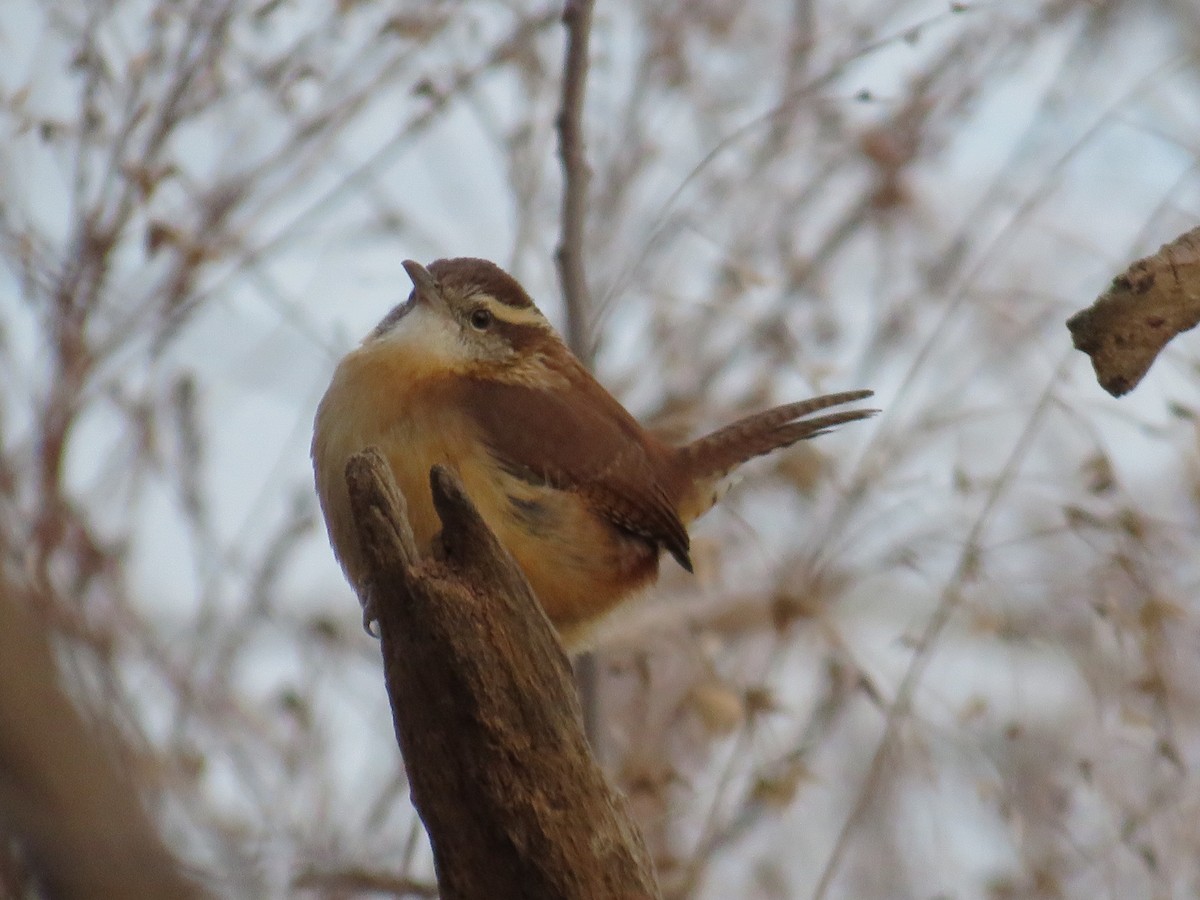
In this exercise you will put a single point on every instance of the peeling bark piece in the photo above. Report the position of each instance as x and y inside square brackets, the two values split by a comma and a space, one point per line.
[1155, 299]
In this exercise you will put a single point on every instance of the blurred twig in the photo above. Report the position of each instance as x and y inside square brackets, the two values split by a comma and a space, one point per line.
[948, 603]
[577, 16]
[69, 805]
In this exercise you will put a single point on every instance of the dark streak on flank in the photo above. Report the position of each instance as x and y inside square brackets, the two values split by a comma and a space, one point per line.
[534, 515]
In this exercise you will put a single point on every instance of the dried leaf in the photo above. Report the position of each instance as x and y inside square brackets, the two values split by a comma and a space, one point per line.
[159, 234]
[778, 789]
[1155, 299]
[719, 706]
[1098, 472]
[759, 700]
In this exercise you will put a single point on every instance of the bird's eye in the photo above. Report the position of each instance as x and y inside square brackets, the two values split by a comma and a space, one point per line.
[481, 318]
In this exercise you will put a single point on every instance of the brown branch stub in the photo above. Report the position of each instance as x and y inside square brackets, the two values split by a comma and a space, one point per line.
[577, 17]
[1155, 299]
[485, 712]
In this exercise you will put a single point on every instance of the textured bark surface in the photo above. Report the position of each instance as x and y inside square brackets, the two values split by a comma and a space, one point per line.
[1148, 304]
[485, 711]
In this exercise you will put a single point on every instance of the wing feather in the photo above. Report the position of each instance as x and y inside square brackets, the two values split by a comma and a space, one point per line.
[593, 448]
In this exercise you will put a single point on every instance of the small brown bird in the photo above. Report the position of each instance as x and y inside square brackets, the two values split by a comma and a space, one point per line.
[469, 373]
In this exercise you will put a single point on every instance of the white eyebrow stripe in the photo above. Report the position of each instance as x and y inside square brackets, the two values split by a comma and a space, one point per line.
[523, 315]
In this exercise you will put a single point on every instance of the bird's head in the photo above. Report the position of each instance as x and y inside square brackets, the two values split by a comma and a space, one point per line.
[466, 316]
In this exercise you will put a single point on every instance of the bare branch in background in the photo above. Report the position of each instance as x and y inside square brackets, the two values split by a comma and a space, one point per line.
[571, 252]
[572, 271]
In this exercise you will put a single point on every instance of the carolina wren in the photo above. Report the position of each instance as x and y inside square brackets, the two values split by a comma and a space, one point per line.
[469, 373]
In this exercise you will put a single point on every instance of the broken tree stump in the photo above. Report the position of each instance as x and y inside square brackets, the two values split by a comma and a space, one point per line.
[485, 710]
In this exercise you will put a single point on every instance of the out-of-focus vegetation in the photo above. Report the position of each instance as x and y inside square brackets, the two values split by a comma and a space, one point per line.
[952, 652]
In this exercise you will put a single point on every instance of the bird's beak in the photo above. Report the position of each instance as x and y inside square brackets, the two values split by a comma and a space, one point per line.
[424, 285]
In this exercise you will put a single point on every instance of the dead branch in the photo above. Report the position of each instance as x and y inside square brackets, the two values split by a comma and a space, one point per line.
[485, 711]
[71, 809]
[1149, 303]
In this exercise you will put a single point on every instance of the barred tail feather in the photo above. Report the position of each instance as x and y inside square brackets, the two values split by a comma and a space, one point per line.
[709, 459]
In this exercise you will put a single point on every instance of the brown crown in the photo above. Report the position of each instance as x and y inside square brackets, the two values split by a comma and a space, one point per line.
[467, 275]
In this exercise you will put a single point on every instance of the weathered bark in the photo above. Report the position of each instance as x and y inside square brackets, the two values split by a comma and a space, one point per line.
[485, 711]
[66, 802]
[1148, 304]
